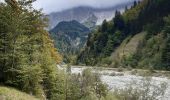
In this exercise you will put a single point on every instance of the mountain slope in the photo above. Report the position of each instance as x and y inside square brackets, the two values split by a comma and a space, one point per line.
[91, 22]
[139, 18]
[127, 48]
[70, 36]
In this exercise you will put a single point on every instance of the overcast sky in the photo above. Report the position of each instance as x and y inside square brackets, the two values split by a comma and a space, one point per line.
[59, 5]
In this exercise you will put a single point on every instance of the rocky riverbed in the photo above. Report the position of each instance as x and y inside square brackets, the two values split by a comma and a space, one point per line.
[118, 80]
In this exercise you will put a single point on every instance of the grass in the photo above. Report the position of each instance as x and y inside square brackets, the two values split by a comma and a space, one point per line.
[127, 47]
[8, 93]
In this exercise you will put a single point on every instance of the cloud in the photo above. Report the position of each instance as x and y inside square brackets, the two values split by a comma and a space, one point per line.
[1, 0]
[59, 5]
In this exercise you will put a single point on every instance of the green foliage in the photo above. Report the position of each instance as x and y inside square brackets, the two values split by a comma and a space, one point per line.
[129, 61]
[153, 51]
[69, 38]
[101, 43]
[106, 61]
[87, 86]
[110, 96]
[166, 50]
[104, 26]
[148, 53]
[119, 21]
[8, 93]
[143, 91]
[28, 57]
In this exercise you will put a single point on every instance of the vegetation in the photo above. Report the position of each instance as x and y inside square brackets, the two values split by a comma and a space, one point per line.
[152, 50]
[29, 59]
[69, 38]
[27, 55]
[144, 91]
[7, 93]
[91, 22]
[87, 86]
[166, 50]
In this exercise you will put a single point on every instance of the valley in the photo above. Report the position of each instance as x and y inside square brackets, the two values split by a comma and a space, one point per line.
[85, 50]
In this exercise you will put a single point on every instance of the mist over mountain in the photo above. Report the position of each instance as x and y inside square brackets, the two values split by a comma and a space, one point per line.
[83, 13]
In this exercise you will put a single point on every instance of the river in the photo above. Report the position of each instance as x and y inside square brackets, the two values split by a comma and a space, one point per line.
[117, 80]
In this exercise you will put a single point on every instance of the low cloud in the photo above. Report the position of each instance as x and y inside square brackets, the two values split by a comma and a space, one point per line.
[59, 5]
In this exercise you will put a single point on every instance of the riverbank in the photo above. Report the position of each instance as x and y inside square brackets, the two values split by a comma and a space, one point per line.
[116, 78]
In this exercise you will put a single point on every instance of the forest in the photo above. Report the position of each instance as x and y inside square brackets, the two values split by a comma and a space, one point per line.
[149, 16]
[29, 58]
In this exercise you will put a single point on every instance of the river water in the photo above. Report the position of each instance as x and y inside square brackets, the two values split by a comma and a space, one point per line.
[122, 79]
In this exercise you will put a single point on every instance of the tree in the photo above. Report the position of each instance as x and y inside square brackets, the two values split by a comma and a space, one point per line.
[110, 46]
[119, 21]
[28, 57]
[104, 26]
[135, 4]
[166, 50]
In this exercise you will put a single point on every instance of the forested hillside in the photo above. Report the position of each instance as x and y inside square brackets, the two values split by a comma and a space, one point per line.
[69, 37]
[149, 16]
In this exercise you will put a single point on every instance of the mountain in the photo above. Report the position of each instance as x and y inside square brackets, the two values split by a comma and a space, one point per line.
[83, 14]
[90, 22]
[69, 36]
[138, 38]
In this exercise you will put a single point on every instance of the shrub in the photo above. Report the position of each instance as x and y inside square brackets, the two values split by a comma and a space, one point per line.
[145, 90]
[120, 69]
[113, 74]
[106, 61]
[134, 72]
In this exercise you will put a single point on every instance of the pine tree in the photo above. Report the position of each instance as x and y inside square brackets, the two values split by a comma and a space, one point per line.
[104, 26]
[166, 50]
[119, 21]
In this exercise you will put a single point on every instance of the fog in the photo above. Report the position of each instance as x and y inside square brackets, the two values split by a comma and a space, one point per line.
[59, 5]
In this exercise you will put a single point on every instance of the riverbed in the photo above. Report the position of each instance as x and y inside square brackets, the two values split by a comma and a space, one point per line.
[118, 80]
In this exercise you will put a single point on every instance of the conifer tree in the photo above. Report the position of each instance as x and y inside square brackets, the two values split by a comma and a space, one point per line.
[166, 50]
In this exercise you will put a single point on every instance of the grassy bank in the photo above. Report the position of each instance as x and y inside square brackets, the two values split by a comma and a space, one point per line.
[8, 93]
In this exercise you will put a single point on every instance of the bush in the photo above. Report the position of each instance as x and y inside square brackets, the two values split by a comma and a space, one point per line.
[86, 86]
[120, 69]
[113, 74]
[142, 91]
[106, 61]
[134, 72]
